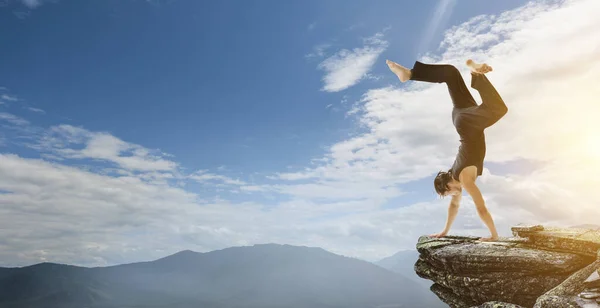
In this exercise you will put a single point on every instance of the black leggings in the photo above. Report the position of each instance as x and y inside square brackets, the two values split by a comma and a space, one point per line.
[489, 112]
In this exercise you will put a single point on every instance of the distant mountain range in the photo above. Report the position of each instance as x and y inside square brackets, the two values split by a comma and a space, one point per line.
[403, 263]
[268, 275]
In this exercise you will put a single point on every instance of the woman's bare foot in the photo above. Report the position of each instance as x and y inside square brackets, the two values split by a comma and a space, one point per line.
[480, 68]
[489, 239]
[402, 72]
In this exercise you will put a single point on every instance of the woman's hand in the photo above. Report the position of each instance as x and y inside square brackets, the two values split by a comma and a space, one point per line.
[438, 235]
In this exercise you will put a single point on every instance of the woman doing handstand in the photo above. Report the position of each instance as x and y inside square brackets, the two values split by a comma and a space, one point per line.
[470, 121]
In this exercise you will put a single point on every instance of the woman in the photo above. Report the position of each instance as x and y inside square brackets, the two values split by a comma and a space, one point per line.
[470, 120]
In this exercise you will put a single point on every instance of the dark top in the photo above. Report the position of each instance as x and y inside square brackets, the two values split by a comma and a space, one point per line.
[471, 152]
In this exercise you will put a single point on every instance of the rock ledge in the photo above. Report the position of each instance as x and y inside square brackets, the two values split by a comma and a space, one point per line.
[538, 267]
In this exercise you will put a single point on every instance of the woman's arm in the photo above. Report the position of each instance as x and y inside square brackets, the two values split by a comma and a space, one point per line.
[468, 182]
[452, 212]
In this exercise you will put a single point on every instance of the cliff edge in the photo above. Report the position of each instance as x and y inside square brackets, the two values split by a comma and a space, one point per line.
[541, 267]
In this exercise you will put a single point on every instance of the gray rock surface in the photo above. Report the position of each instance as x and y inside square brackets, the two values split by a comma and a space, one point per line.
[498, 305]
[541, 266]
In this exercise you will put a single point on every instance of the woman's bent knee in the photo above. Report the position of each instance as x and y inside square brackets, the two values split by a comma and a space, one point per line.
[503, 110]
[452, 69]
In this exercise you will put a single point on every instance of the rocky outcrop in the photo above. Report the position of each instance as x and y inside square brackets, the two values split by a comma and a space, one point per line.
[537, 267]
[579, 290]
[498, 305]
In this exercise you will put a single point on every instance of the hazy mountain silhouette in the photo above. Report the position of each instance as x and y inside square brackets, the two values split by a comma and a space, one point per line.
[403, 263]
[267, 275]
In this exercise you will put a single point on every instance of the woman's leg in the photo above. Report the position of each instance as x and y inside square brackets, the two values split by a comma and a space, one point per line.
[438, 73]
[493, 107]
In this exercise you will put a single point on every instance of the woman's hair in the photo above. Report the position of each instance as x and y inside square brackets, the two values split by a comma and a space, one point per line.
[441, 181]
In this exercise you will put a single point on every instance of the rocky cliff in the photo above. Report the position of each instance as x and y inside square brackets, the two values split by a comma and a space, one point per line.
[538, 267]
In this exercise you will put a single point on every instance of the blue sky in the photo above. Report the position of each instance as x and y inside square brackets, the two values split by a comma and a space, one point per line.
[267, 104]
[215, 84]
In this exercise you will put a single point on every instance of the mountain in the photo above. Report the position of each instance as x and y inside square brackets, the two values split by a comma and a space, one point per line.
[403, 263]
[268, 275]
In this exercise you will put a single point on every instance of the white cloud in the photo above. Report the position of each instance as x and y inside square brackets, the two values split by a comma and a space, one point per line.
[36, 110]
[32, 4]
[13, 119]
[347, 67]
[9, 98]
[253, 188]
[103, 146]
[62, 209]
[319, 51]
[202, 176]
[80, 217]
[340, 190]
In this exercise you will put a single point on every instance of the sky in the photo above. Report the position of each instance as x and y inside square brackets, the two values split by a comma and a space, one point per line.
[131, 130]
